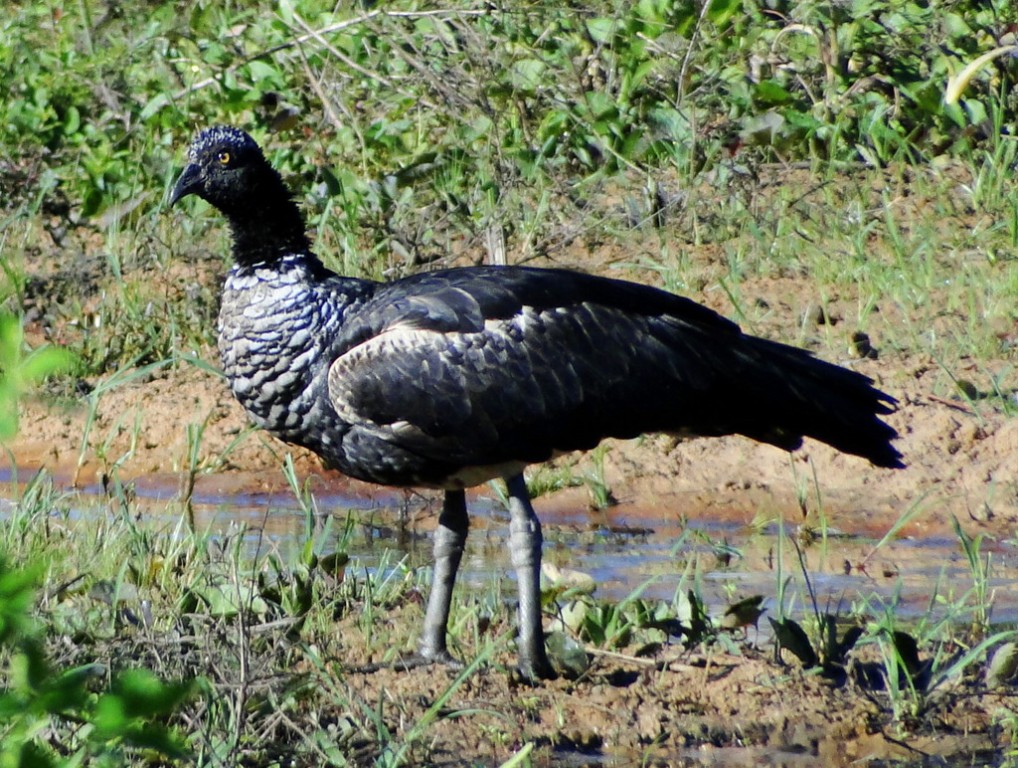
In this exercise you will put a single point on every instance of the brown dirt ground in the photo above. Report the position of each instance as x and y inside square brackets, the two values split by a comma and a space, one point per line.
[961, 463]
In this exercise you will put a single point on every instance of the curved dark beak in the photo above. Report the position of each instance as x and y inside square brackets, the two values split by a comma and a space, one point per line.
[189, 183]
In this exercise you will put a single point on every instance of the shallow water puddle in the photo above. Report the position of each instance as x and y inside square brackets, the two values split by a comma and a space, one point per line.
[626, 549]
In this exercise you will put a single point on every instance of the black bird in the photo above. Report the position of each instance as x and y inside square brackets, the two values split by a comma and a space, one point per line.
[451, 378]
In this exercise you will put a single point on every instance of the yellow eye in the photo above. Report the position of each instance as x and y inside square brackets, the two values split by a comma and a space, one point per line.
[223, 158]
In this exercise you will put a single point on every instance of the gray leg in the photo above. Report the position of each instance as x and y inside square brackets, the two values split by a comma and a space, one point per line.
[450, 538]
[525, 550]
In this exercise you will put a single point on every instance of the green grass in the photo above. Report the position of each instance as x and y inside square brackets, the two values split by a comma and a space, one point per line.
[132, 595]
[271, 642]
[423, 133]
[711, 153]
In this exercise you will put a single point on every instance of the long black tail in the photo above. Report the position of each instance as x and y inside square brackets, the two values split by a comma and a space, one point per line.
[795, 394]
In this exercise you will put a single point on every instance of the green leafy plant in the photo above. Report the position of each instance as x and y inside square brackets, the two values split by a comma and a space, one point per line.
[830, 654]
[20, 372]
[914, 685]
[117, 715]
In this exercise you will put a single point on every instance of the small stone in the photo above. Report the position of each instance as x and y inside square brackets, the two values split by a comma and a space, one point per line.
[860, 347]
[968, 389]
[815, 315]
[982, 514]
[1002, 666]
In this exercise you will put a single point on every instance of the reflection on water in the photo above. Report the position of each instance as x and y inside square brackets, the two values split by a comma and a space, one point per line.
[715, 757]
[625, 549]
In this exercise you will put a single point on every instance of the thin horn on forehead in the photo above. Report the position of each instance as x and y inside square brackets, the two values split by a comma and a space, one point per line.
[221, 134]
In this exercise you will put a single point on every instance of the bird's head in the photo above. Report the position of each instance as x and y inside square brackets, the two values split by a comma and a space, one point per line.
[224, 167]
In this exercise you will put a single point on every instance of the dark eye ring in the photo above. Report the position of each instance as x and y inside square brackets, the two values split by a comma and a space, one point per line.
[223, 158]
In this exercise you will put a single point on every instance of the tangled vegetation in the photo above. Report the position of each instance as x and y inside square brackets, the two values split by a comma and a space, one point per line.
[419, 135]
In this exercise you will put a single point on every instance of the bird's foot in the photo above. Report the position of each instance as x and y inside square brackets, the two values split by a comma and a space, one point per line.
[531, 667]
[536, 667]
[406, 663]
[428, 655]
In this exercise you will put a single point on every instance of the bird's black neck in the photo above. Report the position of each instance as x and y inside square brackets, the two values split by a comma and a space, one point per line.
[267, 225]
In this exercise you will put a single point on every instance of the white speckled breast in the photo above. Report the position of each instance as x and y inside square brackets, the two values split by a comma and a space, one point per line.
[275, 327]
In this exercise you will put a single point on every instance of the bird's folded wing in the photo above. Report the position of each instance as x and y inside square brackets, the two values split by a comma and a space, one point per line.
[521, 387]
